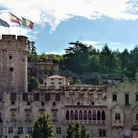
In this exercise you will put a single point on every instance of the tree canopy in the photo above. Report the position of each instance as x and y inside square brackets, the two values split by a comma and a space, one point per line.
[74, 131]
[43, 127]
[81, 58]
[33, 84]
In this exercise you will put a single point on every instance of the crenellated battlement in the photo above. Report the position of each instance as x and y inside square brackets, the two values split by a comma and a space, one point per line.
[9, 42]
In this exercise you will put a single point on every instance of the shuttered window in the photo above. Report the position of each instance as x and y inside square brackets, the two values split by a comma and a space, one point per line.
[36, 96]
[57, 96]
[13, 96]
[47, 96]
[25, 96]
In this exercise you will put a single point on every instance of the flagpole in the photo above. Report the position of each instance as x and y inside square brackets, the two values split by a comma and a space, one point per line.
[9, 21]
[20, 27]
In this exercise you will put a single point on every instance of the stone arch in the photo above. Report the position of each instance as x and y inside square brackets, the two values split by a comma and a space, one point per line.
[76, 115]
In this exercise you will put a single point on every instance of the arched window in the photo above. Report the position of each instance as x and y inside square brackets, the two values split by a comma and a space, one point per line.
[89, 115]
[76, 115]
[103, 115]
[98, 115]
[71, 115]
[80, 115]
[85, 115]
[67, 115]
[94, 115]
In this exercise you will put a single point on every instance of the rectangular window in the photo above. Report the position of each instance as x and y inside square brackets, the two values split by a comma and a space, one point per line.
[102, 133]
[40, 73]
[11, 69]
[126, 98]
[54, 103]
[30, 130]
[36, 96]
[78, 103]
[10, 57]
[47, 96]
[58, 130]
[28, 70]
[45, 73]
[25, 96]
[137, 117]
[92, 103]
[117, 116]
[57, 96]
[136, 97]
[114, 97]
[52, 83]
[20, 130]
[42, 103]
[10, 129]
[60, 83]
[13, 96]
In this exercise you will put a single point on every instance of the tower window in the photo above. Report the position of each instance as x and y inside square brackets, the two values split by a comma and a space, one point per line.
[54, 103]
[78, 103]
[42, 103]
[10, 57]
[11, 69]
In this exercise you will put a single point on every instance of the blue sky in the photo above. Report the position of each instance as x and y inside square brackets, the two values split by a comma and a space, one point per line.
[58, 22]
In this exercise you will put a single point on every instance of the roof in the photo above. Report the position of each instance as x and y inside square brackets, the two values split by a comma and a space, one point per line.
[44, 63]
[56, 77]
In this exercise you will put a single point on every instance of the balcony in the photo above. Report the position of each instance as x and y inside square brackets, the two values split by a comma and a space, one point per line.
[88, 122]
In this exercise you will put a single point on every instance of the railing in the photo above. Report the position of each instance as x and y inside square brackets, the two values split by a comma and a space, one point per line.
[96, 122]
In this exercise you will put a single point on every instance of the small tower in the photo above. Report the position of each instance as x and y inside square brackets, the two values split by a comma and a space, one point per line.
[13, 63]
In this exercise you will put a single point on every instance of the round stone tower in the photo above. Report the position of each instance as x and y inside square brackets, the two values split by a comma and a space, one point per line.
[13, 63]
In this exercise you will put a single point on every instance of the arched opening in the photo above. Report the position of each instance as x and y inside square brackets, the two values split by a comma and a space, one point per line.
[89, 115]
[67, 115]
[76, 115]
[94, 115]
[71, 114]
[85, 115]
[103, 115]
[98, 115]
[80, 115]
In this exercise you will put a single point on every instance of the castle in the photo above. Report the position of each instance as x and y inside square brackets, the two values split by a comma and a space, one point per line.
[108, 111]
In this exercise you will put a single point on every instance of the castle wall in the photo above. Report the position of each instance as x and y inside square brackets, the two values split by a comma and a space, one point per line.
[13, 63]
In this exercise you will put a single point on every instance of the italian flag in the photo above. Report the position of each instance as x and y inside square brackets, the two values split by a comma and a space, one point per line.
[27, 23]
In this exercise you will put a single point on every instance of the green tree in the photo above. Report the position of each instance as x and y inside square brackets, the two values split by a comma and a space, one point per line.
[43, 127]
[33, 84]
[78, 81]
[70, 80]
[74, 131]
[70, 130]
[77, 130]
[26, 136]
[31, 47]
[84, 133]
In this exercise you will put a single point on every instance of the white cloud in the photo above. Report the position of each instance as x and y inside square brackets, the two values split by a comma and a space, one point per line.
[116, 43]
[56, 11]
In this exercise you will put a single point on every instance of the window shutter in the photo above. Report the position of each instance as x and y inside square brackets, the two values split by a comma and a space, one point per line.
[25, 96]
[47, 96]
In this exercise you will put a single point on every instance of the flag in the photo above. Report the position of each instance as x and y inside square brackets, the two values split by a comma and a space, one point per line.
[3, 23]
[15, 19]
[27, 23]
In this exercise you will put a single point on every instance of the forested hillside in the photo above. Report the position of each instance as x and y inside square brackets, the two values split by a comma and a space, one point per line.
[81, 58]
